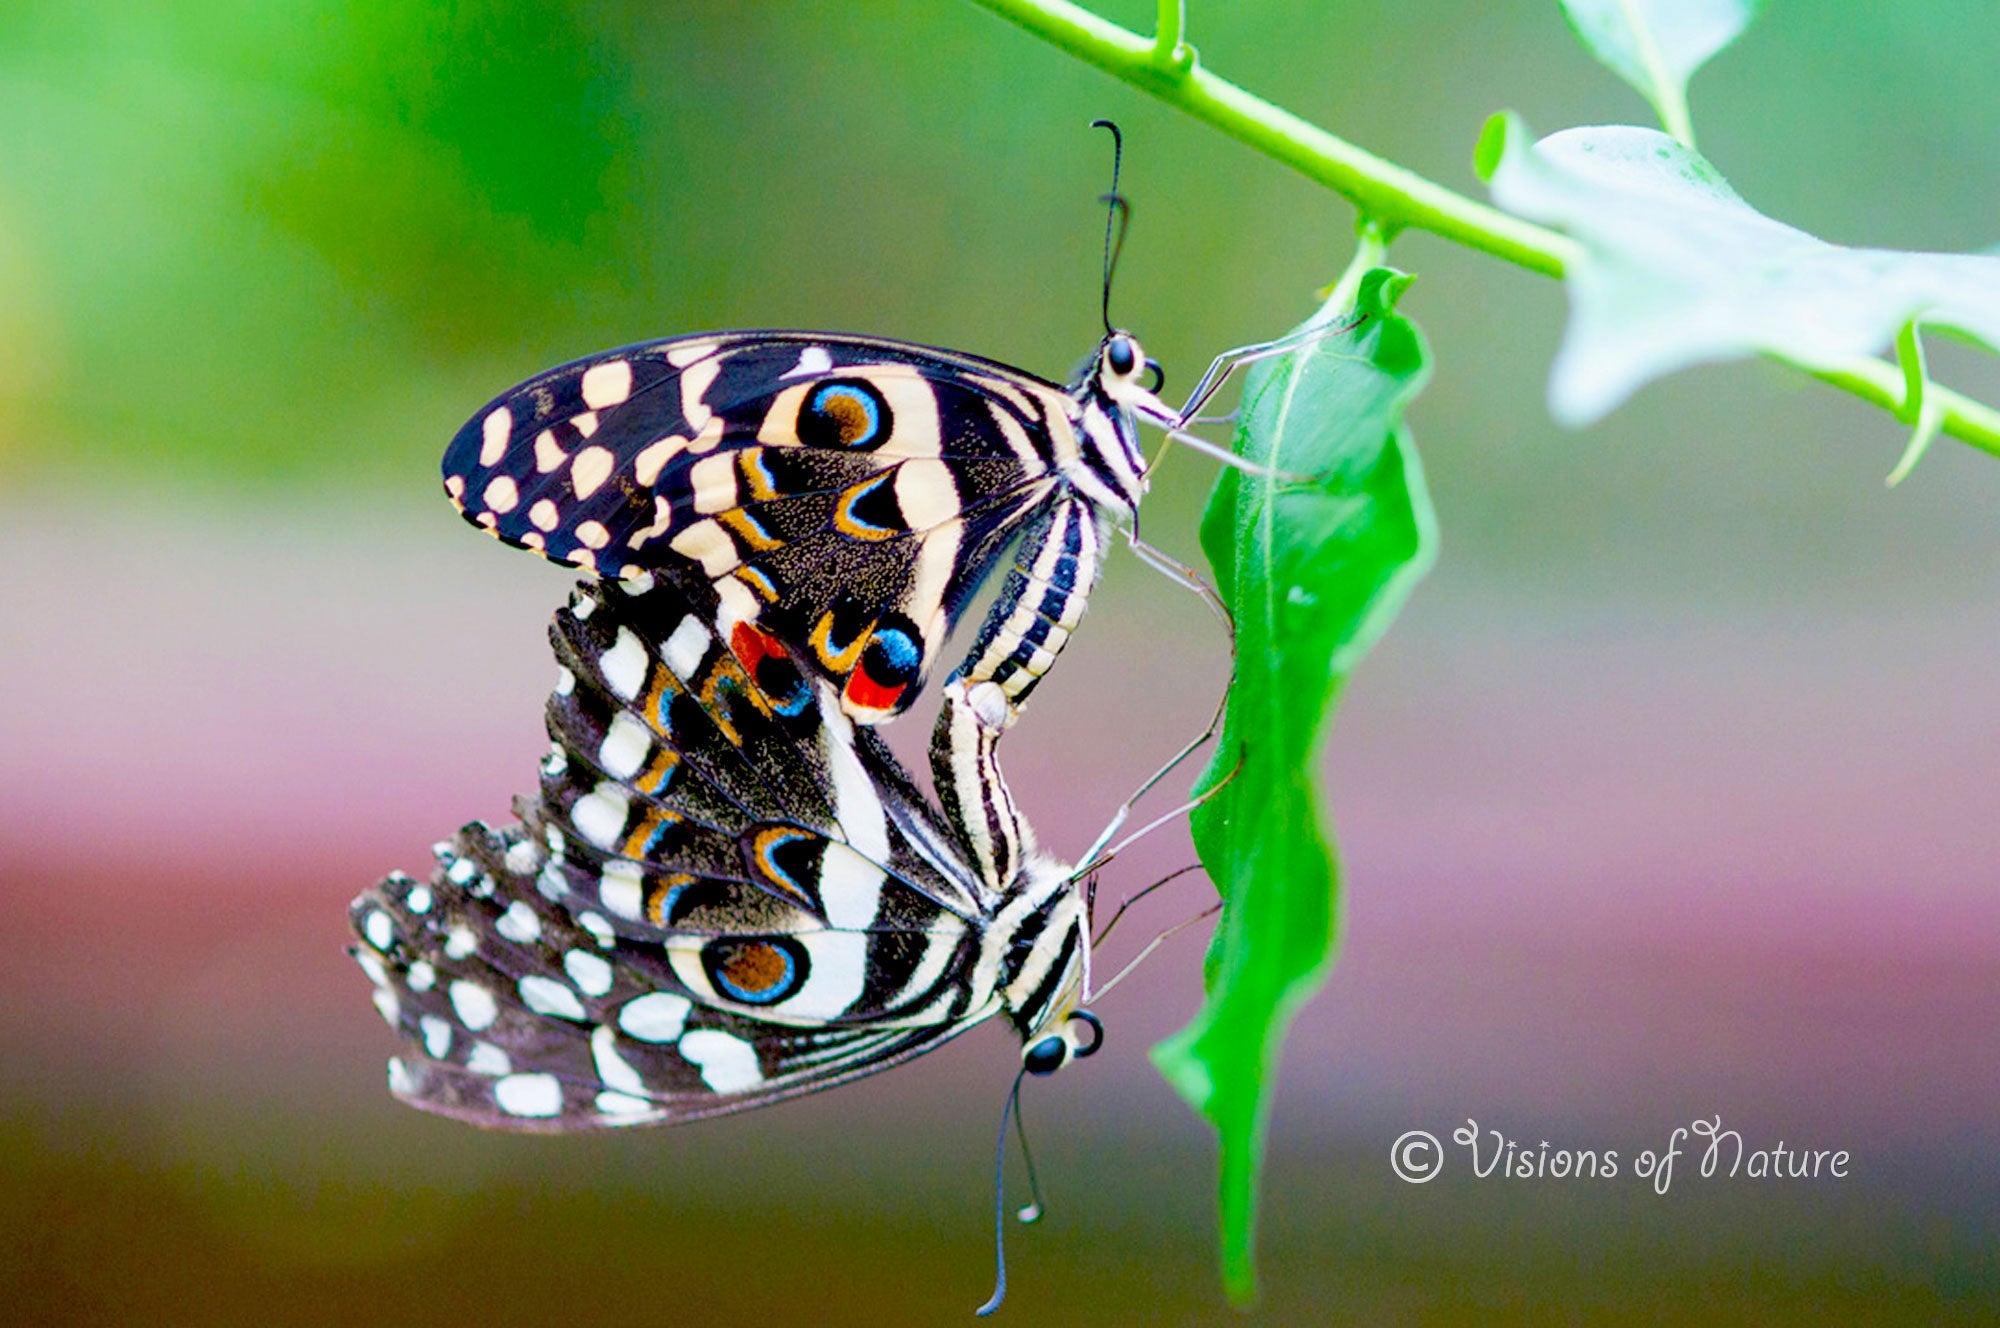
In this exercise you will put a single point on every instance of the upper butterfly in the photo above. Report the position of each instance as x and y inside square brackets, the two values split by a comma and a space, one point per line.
[842, 496]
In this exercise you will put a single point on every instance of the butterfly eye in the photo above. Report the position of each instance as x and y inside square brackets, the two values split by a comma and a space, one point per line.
[1046, 1056]
[1159, 376]
[1096, 1027]
[1121, 356]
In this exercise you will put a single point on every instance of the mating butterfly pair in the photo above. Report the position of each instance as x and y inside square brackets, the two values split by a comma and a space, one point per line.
[727, 891]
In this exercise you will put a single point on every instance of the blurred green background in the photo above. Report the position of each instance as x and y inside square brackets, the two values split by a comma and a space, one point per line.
[1671, 795]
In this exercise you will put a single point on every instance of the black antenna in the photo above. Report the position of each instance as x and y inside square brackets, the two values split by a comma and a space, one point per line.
[1116, 218]
[1011, 1109]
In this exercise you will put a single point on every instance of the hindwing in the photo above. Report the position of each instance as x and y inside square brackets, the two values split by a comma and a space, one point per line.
[843, 495]
[725, 893]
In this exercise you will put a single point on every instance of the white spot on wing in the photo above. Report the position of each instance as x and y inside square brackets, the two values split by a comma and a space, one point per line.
[475, 1005]
[612, 1069]
[607, 384]
[590, 469]
[684, 649]
[657, 1017]
[713, 479]
[624, 747]
[422, 975]
[459, 942]
[547, 995]
[529, 1095]
[437, 1037]
[624, 665]
[599, 815]
[695, 380]
[485, 1058]
[493, 434]
[621, 1104]
[501, 495]
[400, 1081]
[549, 455]
[600, 930]
[926, 493]
[684, 355]
[388, 1006]
[708, 544]
[589, 972]
[728, 1063]
[812, 360]
[593, 534]
[647, 465]
[620, 888]
[543, 515]
[519, 924]
[381, 931]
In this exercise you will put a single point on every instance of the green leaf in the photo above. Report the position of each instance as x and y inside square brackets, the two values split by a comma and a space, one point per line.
[1313, 571]
[1677, 270]
[1656, 45]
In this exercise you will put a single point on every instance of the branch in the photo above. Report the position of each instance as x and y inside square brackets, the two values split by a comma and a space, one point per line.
[1380, 189]
[1397, 198]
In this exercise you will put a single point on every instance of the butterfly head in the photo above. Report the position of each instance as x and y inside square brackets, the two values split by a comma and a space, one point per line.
[1116, 388]
[1079, 1035]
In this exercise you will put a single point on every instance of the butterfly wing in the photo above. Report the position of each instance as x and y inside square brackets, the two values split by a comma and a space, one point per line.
[676, 773]
[719, 899]
[841, 495]
[518, 1014]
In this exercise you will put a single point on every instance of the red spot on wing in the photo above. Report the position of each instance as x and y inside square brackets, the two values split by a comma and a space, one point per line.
[753, 645]
[863, 693]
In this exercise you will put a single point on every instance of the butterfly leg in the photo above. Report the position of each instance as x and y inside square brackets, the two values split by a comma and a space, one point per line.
[1230, 361]
[1181, 575]
[1104, 932]
[1151, 946]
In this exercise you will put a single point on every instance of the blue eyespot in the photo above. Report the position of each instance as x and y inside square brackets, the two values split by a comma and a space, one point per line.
[844, 414]
[898, 650]
[759, 971]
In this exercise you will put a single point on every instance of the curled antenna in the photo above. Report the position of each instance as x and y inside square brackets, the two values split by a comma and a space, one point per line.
[1011, 1108]
[1117, 216]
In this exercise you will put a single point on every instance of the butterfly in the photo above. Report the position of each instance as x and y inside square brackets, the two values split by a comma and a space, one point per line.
[842, 497]
[717, 899]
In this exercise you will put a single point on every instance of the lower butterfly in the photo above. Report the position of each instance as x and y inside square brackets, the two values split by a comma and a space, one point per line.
[719, 899]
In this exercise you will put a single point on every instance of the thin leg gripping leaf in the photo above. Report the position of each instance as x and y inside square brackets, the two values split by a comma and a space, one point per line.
[1313, 573]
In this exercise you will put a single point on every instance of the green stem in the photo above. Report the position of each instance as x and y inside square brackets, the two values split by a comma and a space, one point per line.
[1398, 198]
[1379, 188]
[1170, 42]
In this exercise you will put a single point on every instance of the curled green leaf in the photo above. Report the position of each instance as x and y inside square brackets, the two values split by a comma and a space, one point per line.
[1313, 573]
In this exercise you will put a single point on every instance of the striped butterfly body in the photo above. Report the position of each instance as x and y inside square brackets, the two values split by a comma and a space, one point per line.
[717, 899]
[836, 497]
